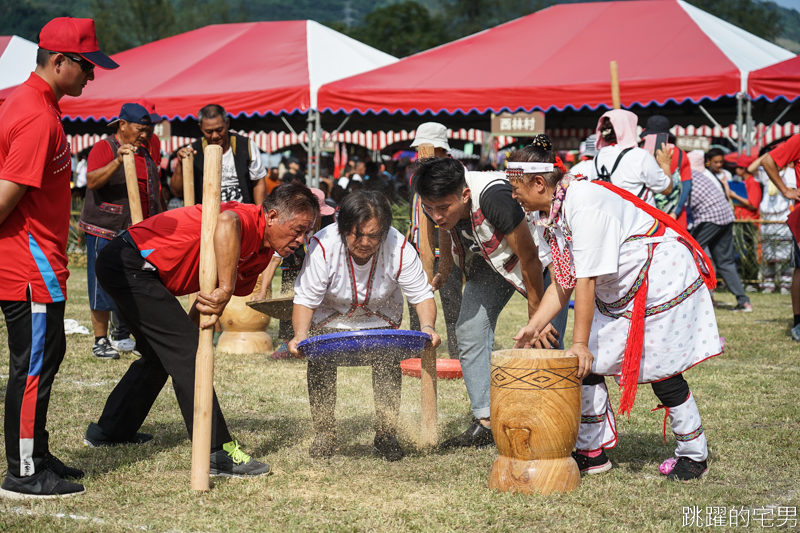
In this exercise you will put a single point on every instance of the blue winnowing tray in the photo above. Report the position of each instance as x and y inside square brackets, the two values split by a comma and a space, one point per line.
[360, 348]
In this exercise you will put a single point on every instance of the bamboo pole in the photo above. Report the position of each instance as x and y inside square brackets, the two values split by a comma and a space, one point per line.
[132, 183]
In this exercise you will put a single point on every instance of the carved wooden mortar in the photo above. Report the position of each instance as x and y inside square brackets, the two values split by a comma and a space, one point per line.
[535, 413]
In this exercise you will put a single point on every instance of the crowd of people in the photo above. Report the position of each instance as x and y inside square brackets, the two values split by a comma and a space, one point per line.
[624, 230]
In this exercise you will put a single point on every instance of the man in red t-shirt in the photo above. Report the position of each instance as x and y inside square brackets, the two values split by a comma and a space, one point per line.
[34, 222]
[106, 212]
[778, 158]
[146, 267]
[746, 208]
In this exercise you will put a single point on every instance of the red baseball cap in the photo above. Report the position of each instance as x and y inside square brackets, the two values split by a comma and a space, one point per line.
[67, 34]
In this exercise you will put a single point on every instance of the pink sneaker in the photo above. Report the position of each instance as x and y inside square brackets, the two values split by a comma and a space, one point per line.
[667, 466]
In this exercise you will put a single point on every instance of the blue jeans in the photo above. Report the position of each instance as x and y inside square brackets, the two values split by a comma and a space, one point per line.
[486, 293]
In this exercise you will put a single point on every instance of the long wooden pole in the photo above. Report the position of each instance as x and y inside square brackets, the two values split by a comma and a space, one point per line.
[188, 180]
[204, 365]
[615, 101]
[132, 183]
[429, 401]
[427, 253]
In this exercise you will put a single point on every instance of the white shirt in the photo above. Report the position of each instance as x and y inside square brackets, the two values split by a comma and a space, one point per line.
[584, 168]
[718, 179]
[599, 221]
[80, 170]
[230, 191]
[325, 282]
[637, 168]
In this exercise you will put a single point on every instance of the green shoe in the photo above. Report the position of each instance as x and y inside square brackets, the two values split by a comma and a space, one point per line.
[231, 461]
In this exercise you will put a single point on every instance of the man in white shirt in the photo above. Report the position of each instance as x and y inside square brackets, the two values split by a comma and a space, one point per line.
[243, 171]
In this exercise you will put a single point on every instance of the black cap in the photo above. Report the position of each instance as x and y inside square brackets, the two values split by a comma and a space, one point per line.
[656, 124]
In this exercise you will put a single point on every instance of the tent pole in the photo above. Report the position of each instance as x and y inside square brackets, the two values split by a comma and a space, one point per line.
[713, 121]
[292, 130]
[751, 127]
[739, 121]
[788, 107]
[310, 146]
[318, 144]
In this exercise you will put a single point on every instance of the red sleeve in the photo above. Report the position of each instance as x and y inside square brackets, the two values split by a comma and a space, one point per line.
[31, 150]
[787, 152]
[753, 191]
[100, 156]
[679, 155]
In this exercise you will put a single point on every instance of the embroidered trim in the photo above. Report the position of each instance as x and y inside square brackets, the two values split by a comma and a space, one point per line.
[666, 306]
[97, 231]
[593, 419]
[111, 208]
[689, 436]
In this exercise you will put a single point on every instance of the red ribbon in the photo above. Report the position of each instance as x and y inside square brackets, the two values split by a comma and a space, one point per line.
[560, 165]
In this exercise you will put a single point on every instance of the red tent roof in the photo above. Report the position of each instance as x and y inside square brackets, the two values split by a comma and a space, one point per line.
[781, 80]
[248, 68]
[558, 58]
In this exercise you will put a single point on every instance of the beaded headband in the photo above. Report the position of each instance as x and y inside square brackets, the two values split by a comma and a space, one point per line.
[515, 170]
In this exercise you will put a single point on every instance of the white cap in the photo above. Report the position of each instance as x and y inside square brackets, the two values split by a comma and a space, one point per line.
[431, 133]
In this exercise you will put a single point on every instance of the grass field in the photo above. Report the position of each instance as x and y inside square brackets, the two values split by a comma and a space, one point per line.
[748, 399]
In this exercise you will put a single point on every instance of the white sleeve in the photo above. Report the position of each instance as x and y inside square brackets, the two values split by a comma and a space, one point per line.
[313, 281]
[545, 253]
[257, 170]
[412, 279]
[652, 175]
[596, 238]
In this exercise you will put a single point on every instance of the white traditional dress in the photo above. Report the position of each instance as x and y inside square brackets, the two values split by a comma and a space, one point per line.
[600, 234]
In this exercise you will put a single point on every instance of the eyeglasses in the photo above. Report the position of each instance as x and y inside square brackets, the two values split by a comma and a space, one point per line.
[86, 66]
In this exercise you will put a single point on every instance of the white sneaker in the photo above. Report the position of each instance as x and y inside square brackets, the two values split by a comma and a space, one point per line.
[796, 333]
[124, 345]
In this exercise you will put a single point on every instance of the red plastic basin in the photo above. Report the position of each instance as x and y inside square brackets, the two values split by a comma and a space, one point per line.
[445, 368]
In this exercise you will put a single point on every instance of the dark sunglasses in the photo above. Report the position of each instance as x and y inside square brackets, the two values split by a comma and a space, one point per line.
[86, 66]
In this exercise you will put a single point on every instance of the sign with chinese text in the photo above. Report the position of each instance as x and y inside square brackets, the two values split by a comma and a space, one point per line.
[518, 124]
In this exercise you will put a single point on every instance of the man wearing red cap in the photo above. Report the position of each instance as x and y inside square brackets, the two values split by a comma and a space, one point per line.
[34, 222]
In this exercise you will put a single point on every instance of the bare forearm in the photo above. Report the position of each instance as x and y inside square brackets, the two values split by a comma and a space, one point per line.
[100, 177]
[772, 170]
[259, 192]
[176, 183]
[584, 310]
[426, 310]
[301, 320]
[10, 195]
[227, 242]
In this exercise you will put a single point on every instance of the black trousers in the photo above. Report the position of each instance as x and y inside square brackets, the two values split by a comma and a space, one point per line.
[166, 338]
[387, 381]
[719, 240]
[671, 392]
[36, 346]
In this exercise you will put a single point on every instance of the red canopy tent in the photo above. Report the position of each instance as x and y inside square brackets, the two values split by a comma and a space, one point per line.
[249, 68]
[558, 58]
[781, 80]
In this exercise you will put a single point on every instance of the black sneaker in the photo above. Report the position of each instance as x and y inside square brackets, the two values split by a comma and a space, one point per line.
[54, 464]
[231, 461]
[323, 446]
[387, 447]
[44, 485]
[95, 438]
[592, 465]
[477, 435]
[102, 349]
[687, 469]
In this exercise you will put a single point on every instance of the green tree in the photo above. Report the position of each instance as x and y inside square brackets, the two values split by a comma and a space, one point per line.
[24, 18]
[401, 29]
[759, 18]
[121, 26]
